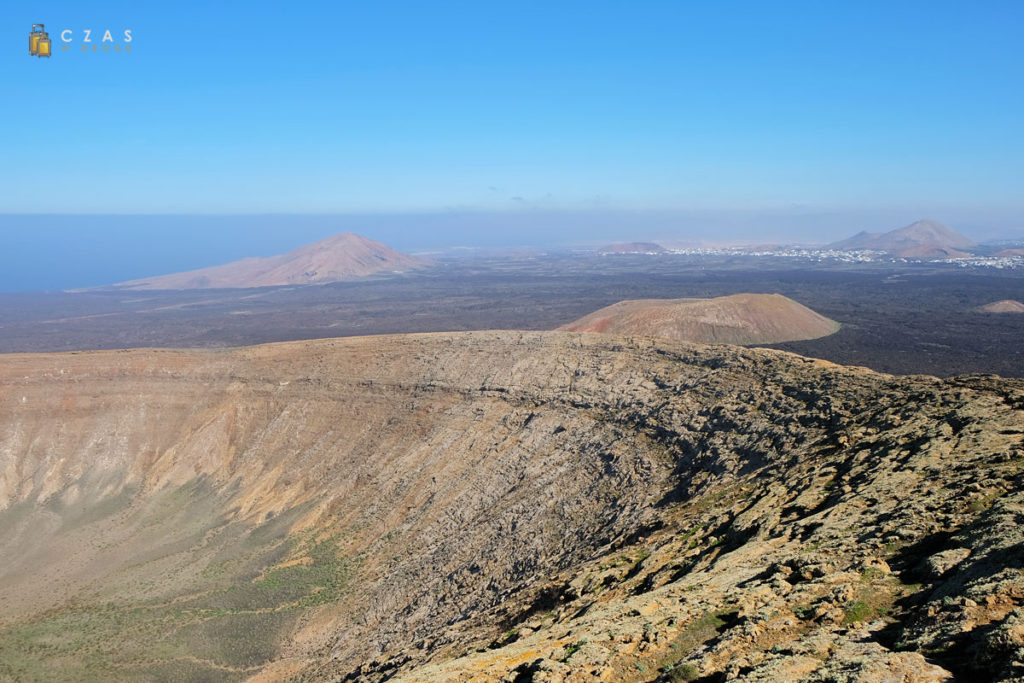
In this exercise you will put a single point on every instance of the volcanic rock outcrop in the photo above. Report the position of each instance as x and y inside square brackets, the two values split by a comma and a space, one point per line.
[1004, 306]
[922, 239]
[505, 506]
[735, 319]
[336, 258]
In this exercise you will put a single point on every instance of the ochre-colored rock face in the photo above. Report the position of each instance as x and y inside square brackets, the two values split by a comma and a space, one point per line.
[336, 258]
[735, 319]
[1004, 306]
[490, 505]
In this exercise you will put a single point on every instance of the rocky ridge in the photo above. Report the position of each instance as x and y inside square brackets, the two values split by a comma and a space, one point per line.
[505, 506]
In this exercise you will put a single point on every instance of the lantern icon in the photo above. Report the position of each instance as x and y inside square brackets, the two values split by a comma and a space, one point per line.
[39, 41]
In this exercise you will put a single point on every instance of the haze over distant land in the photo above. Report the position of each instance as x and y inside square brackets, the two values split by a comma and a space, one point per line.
[449, 124]
[921, 239]
[95, 250]
[736, 319]
[336, 258]
[632, 248]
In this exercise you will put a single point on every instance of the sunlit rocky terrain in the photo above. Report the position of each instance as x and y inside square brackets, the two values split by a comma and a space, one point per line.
[505, 506]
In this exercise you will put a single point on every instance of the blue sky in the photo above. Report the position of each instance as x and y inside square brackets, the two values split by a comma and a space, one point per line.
[894, 109]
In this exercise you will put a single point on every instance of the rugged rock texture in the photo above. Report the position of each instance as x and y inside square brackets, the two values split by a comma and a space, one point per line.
[922, 239]
[505, 506]
[336, 258]
[1004, 306]
[735, 319]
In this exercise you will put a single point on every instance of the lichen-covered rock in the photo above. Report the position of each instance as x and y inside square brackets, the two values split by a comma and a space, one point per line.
[505, 506]
[939, 564]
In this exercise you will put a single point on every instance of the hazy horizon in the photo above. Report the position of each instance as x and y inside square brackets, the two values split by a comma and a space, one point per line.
[93, 250]
[428, 127]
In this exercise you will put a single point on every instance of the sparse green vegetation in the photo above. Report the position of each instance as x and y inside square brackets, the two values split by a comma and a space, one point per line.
[874, 598]
[691, 536]
[803, 612]
[508, 637]
[683, 672]
[572, 649]
[695, 634]
[214, 636]
[721, 497]
[892, 547]
[870, 574]
[982, 503]
[858, 611]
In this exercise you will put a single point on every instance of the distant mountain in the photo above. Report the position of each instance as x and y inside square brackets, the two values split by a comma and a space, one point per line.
[930, 251]
[736, 319]
[632, 248]
[1004, 306]
[340, 257]
[923, 239]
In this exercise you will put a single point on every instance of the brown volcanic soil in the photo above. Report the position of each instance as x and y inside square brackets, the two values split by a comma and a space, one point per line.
[336, 258]
[504, 506]
[735, 319]
[1004, 306]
